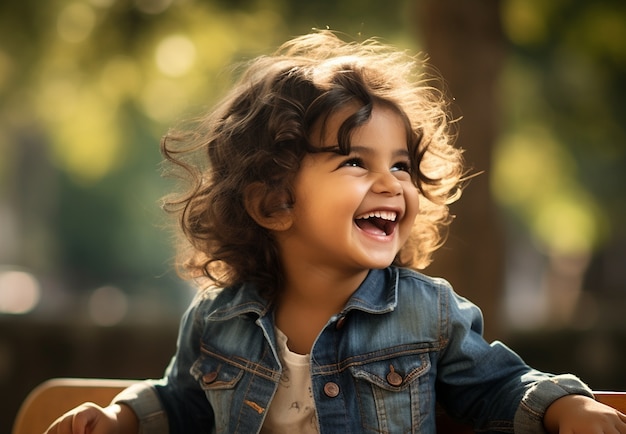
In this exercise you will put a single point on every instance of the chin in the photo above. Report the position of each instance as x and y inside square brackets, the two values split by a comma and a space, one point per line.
[380, 264]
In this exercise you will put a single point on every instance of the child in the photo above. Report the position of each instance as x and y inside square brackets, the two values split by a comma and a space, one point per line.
[320, 178]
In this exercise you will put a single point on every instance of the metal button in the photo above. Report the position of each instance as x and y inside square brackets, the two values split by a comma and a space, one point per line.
[393, 377]
[340, 322]
[209, 378]
[331, 389]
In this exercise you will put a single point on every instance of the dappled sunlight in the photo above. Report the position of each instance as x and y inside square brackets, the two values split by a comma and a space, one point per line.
[98, 82]
[570, 223]
[97, 87]
[534, 176]
[223, 37]
[84, 84]
[120, 79]
[156, 92]
[175, 55]
[57, 99]
[524, 21]
[75, 22]
[528, 167]
[85, 137]
[153, 6]
[555, 167]
[80, 102]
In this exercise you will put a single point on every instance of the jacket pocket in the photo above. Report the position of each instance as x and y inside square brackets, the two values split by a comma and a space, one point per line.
[395, 394]
[214, 374]
[218, 380]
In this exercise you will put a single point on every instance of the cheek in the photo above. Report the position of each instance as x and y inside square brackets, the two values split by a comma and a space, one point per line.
[412, 196]
[412, 211]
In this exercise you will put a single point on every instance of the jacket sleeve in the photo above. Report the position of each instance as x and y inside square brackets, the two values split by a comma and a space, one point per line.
[542, 393]
[175, 404]
[144, 400]
[487, 384]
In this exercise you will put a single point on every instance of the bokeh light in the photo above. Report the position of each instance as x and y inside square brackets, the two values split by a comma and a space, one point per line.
[175, 55]
[75, 22]
[19, 292]
[107, 306]
[153, 6]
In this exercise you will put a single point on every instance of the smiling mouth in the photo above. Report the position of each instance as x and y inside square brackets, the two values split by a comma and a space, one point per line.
[377, 222]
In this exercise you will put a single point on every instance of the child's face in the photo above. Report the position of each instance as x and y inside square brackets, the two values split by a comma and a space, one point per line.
[354, 211]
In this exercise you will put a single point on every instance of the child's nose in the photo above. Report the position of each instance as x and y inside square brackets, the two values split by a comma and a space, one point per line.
[387, 183]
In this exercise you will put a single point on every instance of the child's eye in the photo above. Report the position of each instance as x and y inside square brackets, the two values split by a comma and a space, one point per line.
[402, 166]
[353, 162]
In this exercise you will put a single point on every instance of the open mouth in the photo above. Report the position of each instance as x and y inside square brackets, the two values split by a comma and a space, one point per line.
[377, 222]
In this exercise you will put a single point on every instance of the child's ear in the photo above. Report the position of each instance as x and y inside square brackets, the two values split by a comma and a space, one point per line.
[267, 207]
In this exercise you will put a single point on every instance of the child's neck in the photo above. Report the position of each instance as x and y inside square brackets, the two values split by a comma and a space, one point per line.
[309, 300]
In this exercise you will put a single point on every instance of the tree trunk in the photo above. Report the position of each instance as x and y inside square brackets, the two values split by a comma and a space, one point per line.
[464, 42]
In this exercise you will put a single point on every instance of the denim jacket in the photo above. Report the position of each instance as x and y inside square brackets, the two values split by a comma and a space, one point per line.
[403, 342]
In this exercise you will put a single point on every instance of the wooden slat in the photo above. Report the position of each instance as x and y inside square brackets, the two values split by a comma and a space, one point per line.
[616, 400]
[54, 397]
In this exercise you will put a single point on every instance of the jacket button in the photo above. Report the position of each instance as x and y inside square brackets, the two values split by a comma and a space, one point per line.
[340, 322]
[331, 389]
[209, 378]
[393, 377]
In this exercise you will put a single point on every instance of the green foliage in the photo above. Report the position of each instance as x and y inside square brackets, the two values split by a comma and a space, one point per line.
[559, 165]
[87, 87]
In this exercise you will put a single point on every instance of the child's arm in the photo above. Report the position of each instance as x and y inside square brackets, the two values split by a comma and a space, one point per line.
[90, 418]
[577, 414]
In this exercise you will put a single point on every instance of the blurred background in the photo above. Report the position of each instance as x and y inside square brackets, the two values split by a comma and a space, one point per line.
[88, 87]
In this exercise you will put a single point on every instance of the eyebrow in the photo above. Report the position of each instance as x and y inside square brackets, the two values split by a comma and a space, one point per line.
[369, 150]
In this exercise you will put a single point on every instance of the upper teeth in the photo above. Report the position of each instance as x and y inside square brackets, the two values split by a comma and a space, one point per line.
[385, 215]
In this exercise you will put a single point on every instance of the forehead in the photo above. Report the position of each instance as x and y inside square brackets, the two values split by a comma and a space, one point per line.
[383, 120]
[325, 130]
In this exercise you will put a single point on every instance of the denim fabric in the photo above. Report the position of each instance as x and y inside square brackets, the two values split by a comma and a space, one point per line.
[402, 342]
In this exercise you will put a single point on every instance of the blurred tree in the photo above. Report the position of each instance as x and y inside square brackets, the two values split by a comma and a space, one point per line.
[559, 164]
[86, 90]
[538, 88]
[465, 43]
[87, 87]
[563, 89]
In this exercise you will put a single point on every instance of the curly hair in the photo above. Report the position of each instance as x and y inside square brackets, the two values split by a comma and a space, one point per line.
[260, 132]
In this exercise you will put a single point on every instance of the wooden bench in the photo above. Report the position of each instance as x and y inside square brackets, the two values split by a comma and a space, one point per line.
[54, 397]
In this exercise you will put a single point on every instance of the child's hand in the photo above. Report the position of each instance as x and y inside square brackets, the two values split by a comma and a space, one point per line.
[90, 418]
[577, 414]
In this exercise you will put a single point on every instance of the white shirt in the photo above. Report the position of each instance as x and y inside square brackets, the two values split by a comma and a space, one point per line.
[293, 409]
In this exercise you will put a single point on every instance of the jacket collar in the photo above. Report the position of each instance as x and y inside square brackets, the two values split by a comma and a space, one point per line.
[377, 294]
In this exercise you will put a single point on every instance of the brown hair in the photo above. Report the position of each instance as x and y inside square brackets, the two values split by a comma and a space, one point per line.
[259, 133]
